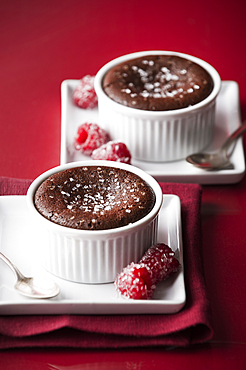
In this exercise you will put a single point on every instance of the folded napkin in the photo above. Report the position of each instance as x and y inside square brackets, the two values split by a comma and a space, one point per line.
[189, 326]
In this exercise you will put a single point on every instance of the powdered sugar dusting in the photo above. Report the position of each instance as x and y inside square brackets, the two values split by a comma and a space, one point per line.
[160, 85]
[88, 195]
[106, 196]
[158, 82]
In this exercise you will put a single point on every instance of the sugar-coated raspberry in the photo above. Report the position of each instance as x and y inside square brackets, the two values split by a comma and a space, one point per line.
[84, 95]
[138, 281]
[135, 281]
[113, 151]
[90, 137]
[161, 261]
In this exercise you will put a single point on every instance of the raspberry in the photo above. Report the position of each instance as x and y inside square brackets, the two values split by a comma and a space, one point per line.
[135, 281]
[113, 151]
[84, 95]
[161, 261]
[138, 280]
[89, 137]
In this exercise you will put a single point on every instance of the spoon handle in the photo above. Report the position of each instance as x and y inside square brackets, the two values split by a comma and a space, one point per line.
[15, 270]
[235, 135]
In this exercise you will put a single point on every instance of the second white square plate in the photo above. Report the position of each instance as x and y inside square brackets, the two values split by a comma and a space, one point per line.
[227, 120]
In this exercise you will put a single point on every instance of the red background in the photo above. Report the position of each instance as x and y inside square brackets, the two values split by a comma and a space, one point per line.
[45, 42]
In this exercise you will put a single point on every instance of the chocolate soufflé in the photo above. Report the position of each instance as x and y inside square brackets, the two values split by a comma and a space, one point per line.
[158, 83]
[94, 198]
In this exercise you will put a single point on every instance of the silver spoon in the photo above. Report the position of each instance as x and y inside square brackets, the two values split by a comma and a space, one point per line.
[32, 287]
[220, 159]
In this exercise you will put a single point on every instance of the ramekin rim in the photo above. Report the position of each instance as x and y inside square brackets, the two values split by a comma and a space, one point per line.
[134, 111]
[96, 233]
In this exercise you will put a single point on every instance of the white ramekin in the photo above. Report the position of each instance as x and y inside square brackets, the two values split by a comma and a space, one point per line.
[159, 136]
[94, 256]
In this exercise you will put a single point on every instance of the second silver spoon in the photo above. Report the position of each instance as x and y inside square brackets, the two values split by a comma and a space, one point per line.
[220, 159]
[32, 287]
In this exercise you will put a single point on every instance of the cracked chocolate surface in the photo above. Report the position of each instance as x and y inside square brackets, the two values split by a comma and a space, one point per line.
[158, 83]
[94, 198]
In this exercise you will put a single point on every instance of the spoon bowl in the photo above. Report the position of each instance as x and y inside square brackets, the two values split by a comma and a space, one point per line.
[210, 161]
[32, 287]
[219, 160]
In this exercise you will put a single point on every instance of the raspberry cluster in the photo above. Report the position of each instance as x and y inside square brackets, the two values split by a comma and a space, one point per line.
[90, 139]
[113, 151]
[138, 280]
[93, 141]
[84, 95]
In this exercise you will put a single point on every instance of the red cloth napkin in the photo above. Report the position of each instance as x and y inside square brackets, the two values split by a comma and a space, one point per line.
[191, 325]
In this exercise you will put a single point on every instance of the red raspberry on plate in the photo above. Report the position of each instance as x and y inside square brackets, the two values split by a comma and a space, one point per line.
[89, 137]
[161, 261]
[135, 281]
[84, 95]
[113, 151]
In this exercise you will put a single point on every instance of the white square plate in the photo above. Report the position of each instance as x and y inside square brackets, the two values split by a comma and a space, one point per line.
[226, 121]
[21, 243]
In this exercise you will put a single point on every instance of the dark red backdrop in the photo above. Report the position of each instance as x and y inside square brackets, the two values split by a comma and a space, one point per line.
[44, 42]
